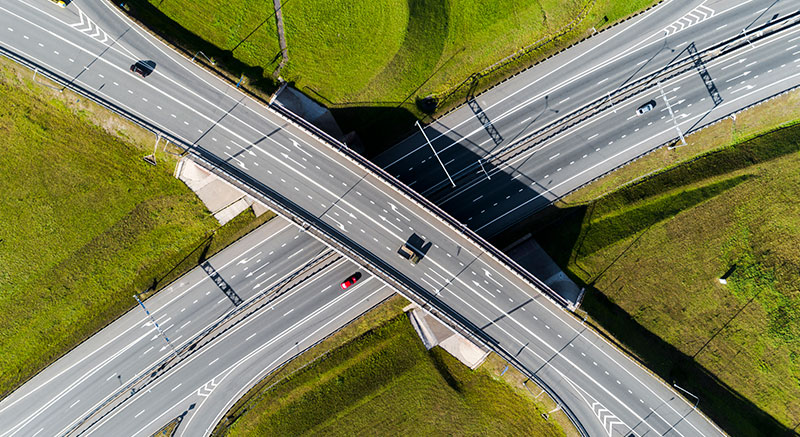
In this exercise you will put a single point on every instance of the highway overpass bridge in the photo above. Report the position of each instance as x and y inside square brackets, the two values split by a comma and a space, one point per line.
[345, 201]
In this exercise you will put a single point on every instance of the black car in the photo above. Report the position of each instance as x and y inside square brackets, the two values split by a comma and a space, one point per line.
[141, 68]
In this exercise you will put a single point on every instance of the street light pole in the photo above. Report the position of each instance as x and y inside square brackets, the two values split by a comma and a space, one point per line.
[480, 161]
[697, 400]
[35, 72]
[136, 296]
[671, 114]
[435, 154]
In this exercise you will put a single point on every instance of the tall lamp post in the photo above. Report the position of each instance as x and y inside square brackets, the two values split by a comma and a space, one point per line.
[136, 296]
[435, 154]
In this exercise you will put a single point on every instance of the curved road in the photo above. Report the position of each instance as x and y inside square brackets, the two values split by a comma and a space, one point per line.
[90, 46]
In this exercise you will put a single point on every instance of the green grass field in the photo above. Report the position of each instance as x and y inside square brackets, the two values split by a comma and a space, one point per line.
[385, 383]
[84, 223]
[651, 255]
[373, 60]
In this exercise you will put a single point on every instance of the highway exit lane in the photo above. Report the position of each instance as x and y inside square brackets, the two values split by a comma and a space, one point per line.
[207, 383]
[361, 207]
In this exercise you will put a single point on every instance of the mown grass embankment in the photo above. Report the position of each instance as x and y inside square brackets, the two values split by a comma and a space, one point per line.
[84, 222]
[371, 61]
[652, 253]
[385, 382]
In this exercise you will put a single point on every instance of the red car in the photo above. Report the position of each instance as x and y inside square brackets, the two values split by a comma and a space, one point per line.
[351, 280]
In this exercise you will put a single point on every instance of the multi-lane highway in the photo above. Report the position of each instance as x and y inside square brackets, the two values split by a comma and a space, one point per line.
[555, 127]
[263, 270]
[90, 46]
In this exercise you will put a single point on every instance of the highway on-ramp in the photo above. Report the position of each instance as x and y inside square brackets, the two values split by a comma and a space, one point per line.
[90, 46]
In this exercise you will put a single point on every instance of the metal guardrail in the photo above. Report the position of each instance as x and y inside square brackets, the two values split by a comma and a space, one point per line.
[329, 235]
[401, 188]
[191, 345]
[620, 95]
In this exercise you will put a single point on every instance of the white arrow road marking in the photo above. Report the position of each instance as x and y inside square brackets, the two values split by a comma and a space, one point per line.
[294, 143]
[338, 223]
[247, 260]
[737, 77]
[481, 287]
[394, 209]
[489, 275]
[286, 156]
[389, 222]
[241, 164]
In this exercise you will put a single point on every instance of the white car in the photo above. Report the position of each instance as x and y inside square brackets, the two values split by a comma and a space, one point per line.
[647, 107]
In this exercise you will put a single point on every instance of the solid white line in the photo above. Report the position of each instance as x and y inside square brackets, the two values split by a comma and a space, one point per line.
[551, 90]
[135, 324]
[227, 371]
[526, 155]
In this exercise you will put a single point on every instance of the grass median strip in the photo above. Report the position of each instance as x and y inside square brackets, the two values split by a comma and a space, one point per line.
[385, 382]
[84, 222]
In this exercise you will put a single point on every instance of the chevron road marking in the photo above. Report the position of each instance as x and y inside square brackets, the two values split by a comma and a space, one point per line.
[207, 388]
[606, 417]
[86, 25]
[695, 16]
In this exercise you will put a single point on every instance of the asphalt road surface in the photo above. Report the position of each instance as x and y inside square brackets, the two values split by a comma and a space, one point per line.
[90, 46]
[496, 189]
[290, 319]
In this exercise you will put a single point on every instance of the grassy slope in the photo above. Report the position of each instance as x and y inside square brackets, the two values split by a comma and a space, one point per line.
[386, 382]
[656, 250]
[84, 223]
[378, 54]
